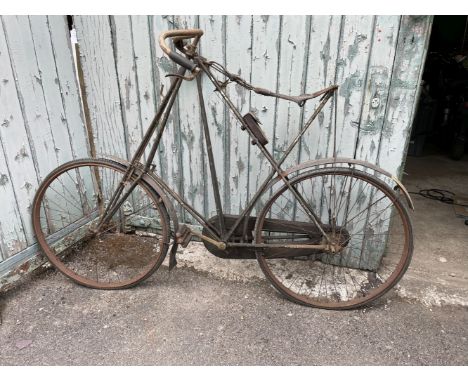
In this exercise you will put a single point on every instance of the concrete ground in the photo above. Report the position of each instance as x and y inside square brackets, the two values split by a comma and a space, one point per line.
[211, 311]
[438, 273]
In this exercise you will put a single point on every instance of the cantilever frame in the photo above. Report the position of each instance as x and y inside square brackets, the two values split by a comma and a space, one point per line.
[159, 122]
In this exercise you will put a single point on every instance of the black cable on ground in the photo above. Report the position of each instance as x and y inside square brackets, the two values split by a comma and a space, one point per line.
[439, 195]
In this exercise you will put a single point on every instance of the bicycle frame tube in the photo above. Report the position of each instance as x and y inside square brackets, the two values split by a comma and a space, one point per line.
[165, 108]
[166, 105]
[276, 165]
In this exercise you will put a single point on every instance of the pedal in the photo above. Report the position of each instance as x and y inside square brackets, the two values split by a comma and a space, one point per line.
[184, 236]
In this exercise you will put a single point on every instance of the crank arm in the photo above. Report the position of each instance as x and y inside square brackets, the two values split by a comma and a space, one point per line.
[185, 233]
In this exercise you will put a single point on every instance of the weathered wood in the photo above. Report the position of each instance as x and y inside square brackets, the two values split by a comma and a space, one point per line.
[12, 237]
[379, 72]
[170, 153]
[97, 58]
[191, 139]
[58, 148]
[22, 171]
[212, 47]
[292, 71]
[413, 40]
[42, 125]
[127, 79]
[31, 92]
[146, 86]
[238, 54]
[265, 58]
[377, 61]
[337, 51]
[385, 37]
[381, 44]
[321, 73]
[68, 83]
[352, 65]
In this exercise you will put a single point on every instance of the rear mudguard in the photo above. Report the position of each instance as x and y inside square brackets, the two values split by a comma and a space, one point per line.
[154, 182]
[309, 165]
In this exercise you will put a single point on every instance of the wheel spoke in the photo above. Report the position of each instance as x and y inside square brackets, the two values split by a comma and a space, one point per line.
[366, 264]
[115, 256]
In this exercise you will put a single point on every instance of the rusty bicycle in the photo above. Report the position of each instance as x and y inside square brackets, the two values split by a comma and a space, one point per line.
[331, 233]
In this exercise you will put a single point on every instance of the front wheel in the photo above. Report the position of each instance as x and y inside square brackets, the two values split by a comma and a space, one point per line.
[361, 251]
[66, 216]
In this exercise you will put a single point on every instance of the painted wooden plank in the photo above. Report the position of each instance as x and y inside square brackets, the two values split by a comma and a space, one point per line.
[239, 56]
[211, 47]
[66, 77]
[97, 57]
[29, 81]
[378, 68]
[322, 68]
[354, 49]
[142, 50]
[321, 73]
[127, 79]
[377, 87]
[12, 237]
[411, 50]
[412, 45]
[71, 100]
[353, 58]
[44, 55]
[15, 142]
[292, 69]
[188, 109]
[51, 89]
[294, 40]
[362, 54]
[370, 130]
[265, 58]
[47, 101]
[170, 153]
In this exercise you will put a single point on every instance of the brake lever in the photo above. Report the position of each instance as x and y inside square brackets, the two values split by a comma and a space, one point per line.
[187, 78]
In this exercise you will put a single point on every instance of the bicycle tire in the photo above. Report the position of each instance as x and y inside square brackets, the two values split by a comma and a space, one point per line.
[304, 287]
[112, 247]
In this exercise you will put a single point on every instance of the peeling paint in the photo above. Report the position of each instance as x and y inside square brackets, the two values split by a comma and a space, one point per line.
[325, 55]
[22, 154]
[3, 179]
[240, 165]
[128, 85]
[354, 44]
[350, 84]
[27, 186]
[353, 49]
[291, 42]
[38, 78]
[166, 64]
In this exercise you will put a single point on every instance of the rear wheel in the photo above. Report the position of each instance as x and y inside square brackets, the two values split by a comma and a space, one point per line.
[67, 209]
[370, 237]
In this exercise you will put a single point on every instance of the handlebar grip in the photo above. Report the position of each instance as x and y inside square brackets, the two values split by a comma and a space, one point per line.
[178, 34]
[182, 61]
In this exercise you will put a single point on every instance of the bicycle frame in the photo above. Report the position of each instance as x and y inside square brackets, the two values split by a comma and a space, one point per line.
[220, 234]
